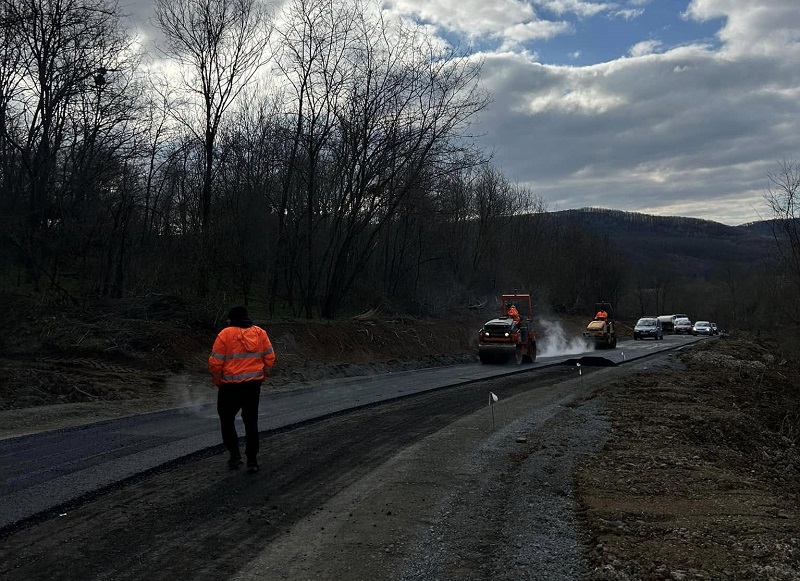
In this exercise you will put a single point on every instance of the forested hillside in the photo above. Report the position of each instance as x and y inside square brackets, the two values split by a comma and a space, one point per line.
[686, 244]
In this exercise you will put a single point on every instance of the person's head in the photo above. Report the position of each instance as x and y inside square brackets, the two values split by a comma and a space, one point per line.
[237, 314]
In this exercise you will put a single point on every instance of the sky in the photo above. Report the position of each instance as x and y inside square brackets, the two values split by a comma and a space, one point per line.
[667, 107]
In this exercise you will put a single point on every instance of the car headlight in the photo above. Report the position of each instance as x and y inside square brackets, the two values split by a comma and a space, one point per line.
[508, 334]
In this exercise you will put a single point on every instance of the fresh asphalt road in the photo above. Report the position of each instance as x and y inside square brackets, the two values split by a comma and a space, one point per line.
[43, 472]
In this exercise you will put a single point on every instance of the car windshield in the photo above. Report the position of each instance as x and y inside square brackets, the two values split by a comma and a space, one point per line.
[646, 323]
[683, 322]
[702, 324]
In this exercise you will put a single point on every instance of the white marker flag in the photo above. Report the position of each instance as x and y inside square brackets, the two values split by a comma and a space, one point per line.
[580, 371]
[492, 398]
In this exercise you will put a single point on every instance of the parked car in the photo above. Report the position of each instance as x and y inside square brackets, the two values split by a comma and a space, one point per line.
[683, 327]
[702, 328]
[648, 327]
[715, 329]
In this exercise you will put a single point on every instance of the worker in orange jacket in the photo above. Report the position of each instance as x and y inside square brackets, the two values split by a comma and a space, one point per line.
[241, 359]
[601, 315]
[513, 313]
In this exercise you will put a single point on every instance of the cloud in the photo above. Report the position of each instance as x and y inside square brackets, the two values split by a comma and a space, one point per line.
[764, 28]
[627, 14]
[644, 48]
[688, 130]
[577, 7]
[691, 130]
[473, 18]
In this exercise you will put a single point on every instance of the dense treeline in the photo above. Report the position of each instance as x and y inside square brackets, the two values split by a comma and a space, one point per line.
[312, 162]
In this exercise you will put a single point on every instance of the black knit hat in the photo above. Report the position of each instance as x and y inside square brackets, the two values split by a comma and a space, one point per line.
[237, 314]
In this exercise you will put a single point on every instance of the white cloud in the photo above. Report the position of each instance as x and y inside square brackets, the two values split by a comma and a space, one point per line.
[644, 48]
[522, 33]
[470, 17]
[752, 28]
[577, 7]
[627, 14]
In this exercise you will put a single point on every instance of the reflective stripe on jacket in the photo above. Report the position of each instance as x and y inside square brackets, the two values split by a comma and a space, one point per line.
[241, 354]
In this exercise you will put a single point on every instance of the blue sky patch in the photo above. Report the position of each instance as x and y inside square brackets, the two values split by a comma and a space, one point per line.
[606, 37]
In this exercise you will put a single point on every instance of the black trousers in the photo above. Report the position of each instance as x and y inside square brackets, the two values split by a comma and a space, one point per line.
[231, 398]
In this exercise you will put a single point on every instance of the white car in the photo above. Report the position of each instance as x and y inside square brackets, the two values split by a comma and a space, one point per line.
[702, 328]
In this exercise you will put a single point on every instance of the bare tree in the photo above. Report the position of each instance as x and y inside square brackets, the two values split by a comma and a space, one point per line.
[405, 103]
[783, 199]
[312, 45]
[61, 50]
[10, 79]
[219, 46]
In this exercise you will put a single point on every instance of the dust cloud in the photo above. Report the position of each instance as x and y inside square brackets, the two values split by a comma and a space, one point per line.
[552, 340]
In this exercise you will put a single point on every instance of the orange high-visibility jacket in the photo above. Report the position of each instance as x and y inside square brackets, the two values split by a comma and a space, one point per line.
[514, 314]
[241, 354]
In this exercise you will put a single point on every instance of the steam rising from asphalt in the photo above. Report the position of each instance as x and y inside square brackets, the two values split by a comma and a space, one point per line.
[552, 340]
[190, 393]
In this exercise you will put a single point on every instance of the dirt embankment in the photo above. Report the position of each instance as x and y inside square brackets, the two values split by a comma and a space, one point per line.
[63, 367]
[700, 478]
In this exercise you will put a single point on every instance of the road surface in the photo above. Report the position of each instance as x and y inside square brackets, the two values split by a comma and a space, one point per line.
[43, 473]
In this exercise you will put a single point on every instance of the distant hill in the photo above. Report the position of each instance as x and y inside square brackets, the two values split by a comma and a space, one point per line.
[765, 227]
[762, 227]
[697, 246]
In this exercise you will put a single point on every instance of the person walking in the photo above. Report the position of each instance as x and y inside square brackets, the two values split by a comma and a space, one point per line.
[241, 359]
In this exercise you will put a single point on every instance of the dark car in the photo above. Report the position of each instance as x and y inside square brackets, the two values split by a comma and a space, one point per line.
[648, 327]
[702, 328]
[683, 327]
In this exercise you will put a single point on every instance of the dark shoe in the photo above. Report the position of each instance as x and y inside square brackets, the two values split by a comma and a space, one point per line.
[252, 466]
[234, 462]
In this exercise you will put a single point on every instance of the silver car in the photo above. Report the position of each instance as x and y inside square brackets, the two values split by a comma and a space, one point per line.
[702, 328]
[648, 327]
